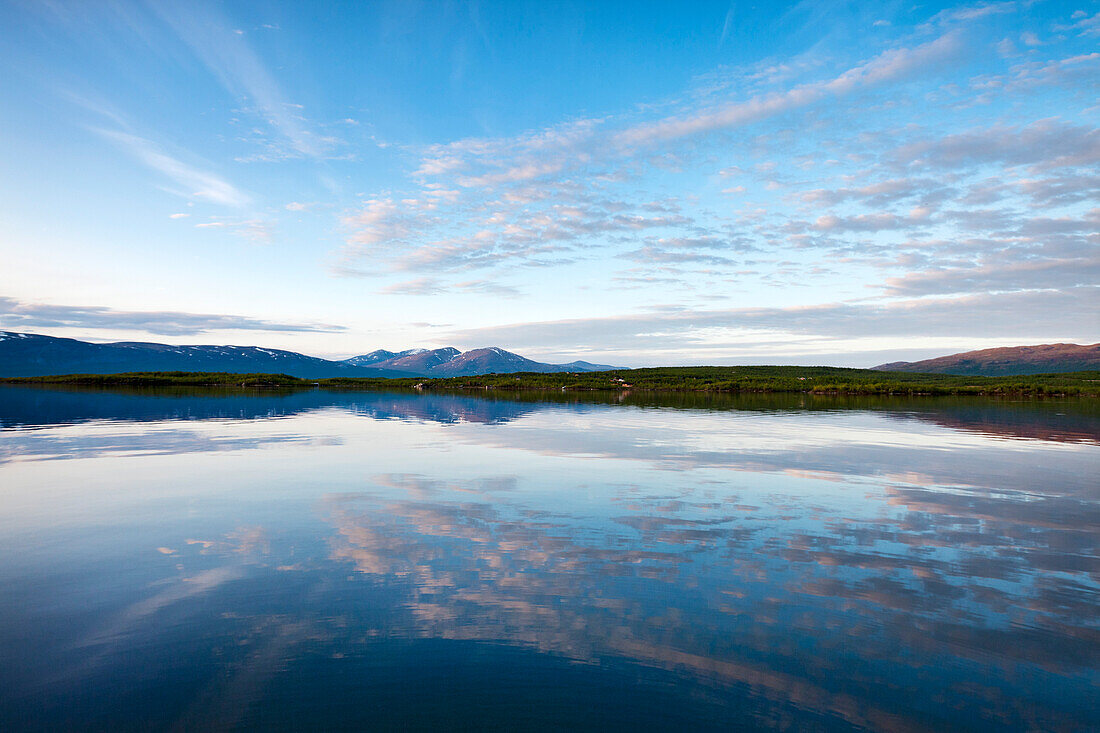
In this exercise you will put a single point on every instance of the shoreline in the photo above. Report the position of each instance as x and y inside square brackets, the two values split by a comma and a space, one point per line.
[698, 380]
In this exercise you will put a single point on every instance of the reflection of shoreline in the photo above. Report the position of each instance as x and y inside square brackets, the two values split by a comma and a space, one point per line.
[38, 407]
[1011, 422]
[1063, 421]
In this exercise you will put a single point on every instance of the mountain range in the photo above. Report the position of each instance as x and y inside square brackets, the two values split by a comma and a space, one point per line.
[33, 355]
[1007, 361]
[450, 362]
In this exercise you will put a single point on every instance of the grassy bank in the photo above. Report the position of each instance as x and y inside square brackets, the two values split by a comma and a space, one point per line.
[814, 380]
[167, 379]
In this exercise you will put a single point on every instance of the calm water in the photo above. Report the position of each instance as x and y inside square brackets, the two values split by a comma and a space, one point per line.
[218, 560]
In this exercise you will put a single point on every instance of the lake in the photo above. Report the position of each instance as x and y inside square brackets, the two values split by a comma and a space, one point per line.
[215, 560]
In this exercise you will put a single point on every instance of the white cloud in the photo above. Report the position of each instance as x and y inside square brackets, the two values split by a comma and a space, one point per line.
[193, 181]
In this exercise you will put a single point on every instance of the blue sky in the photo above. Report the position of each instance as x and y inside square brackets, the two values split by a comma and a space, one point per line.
[634, 183]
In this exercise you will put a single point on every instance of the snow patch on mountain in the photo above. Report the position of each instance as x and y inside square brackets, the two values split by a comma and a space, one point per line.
[450, 362]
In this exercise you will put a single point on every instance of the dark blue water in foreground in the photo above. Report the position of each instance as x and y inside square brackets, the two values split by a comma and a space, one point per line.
[186, 560]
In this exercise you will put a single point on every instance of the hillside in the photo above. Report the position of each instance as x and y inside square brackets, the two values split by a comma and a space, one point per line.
[24, 355]
[1007, 361]
[32, 355]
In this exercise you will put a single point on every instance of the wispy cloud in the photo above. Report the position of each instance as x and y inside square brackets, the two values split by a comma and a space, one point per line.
[436, 287]
[230, 58]
[20, 314]
[1043, 145]
[1085, 24]
[969, 13]
[918, 216]
[539, 198]
[1000, 277]
[191, 181]
[892, 65]
[419, 286]
[411, 235]
[476, 163]
[254, 230]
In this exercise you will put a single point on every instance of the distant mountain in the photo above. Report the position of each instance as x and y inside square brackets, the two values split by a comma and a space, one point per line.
[1007, 361]
[372, 358]
[489, 361]
[31, 355]
[450, 362]
[586, 366]
[423, 357]
[420, 361]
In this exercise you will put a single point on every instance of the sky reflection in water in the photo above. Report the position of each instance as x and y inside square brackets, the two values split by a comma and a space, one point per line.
[204, 560]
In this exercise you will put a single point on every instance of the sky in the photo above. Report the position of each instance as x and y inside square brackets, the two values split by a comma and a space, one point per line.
[634, 183]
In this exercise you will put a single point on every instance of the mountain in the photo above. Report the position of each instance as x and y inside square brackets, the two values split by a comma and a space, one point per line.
[586, 366]
[1007, 361]
[372, 358]
[380, 355]
[419, 361]
[31, 355]
[488, 361]
[450, 362]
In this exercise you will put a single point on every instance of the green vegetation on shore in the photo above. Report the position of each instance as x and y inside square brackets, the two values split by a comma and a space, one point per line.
[816, 380]
[167, 379]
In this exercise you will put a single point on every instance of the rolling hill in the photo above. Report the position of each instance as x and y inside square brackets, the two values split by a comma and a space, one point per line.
[1007, 361]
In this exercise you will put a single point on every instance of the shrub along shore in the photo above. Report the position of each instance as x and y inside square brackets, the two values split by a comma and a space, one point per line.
[814, 380]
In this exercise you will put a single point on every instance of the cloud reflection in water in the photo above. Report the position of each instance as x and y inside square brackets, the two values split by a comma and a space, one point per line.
[898, 607]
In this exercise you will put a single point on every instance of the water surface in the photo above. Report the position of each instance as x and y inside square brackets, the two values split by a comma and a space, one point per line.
[195, 560]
